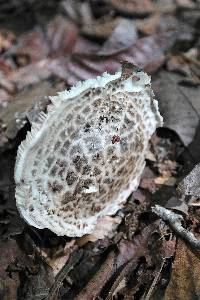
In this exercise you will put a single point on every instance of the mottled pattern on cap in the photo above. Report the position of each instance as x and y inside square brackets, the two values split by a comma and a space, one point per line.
[85, 156]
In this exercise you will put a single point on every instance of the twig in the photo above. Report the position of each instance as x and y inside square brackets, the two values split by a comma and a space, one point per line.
[72, 261]
[149, 294]
[174, 221]
[95, 285]
[127, 269]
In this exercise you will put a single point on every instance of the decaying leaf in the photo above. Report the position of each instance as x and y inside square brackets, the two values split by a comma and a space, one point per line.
[177, 204]
[121, 280]
[31, 47]
[100, 28]
[4, 96]
[61, 35]
[156, 24]
[190, 185]
[6, 84]
[30, 74]
[123, 36]
[188, 65]
[10, 221]
[106, 227]
[8, 285]
[184, 4]
[14, 116]
[60, 257]
[175, 104]
[148, 180]
[6, 65]
[166, 180]
[168, 248]
[7, 39]
[129, 250]
[146, 53]
[132, 7]
[22, 276]
[184, 283]
[78, 11]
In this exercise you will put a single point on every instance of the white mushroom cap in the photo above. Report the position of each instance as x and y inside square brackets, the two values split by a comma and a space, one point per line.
[85, 156]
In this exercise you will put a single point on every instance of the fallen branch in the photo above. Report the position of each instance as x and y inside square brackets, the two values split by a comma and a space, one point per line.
[72, 261]
[152, 287]
[127, 269]
[174, 221]
[95, 285]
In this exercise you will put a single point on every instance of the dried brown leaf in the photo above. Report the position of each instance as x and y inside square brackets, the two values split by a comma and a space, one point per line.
[4, 96]
[132, 7]
[58, 261]
[120, 281]
[84, 45]
[132, 250]
[14, 116]
[6, 66]
[30, 74]
[156, 24]
[123, 37]
[31, 47]
[184, 282]
[7, 39]
[177, 204]
[78, 11]
[185, 4]
[6, 84]
[190, 185]
[146, 53]
[148, 180]
[100, 28]
[175, 105]
[168, 248]
[61, 35]
[149, 26]
[165, 180]
[8, 285]
[106, 227]
[188, 65]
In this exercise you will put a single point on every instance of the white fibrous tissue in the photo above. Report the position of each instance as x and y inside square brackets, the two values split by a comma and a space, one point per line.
[84, 157]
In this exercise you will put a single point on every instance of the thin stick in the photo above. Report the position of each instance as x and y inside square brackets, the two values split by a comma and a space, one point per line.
[72, 261]
[95, 285]
[156, 278]
[174, 221]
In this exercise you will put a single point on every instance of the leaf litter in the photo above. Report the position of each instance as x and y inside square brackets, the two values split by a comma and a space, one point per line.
[130, 255]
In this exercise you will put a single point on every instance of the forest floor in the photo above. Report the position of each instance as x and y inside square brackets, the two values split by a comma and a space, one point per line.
[145, 255]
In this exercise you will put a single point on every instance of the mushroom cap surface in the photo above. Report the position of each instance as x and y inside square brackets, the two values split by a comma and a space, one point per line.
[84, 157]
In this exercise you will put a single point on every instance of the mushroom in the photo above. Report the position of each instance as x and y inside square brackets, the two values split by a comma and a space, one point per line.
[84, 157]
